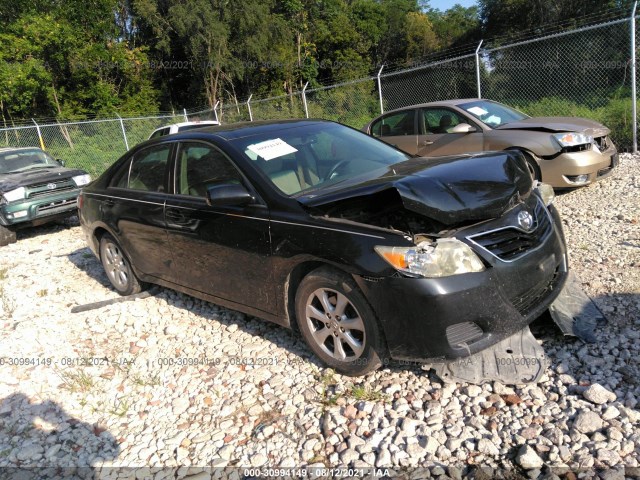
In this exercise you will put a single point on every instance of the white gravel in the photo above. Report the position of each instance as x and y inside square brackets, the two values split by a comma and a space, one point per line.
[106, 388]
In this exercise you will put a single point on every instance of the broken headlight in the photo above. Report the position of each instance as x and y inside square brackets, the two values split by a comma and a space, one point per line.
[572, 139]
[445, 257]
[546, 193]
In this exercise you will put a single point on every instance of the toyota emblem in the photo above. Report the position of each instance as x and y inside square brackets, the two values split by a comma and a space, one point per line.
[525, 220]
[51, 186]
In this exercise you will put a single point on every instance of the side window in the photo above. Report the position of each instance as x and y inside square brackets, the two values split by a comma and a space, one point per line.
[202, 166]
[159, 133]
[401, 123]
[146, 171]
[440, 120]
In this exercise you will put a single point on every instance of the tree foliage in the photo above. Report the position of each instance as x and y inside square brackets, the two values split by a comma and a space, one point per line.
[75, 58]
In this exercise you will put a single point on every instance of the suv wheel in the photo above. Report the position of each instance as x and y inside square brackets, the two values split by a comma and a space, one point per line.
[337, 323]
[7, 236]
[117, 267]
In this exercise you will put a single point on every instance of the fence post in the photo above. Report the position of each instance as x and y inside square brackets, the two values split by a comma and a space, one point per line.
[124, 133]
[634, 100]
[478, 69]
[249, 108]
[184, 111]
[304, 100]
[215, 111]
[39, 134]
[380, 90]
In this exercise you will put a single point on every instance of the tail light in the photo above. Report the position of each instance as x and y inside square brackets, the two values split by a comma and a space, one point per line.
[80, 201]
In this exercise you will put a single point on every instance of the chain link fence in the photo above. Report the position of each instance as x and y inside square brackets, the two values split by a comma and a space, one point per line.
[586, 72]
[440, 80]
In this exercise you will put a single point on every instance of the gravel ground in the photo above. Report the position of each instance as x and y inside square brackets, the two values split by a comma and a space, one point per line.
[171, 381]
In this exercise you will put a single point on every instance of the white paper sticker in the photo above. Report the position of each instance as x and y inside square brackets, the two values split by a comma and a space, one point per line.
[271, 149]
[477, 111]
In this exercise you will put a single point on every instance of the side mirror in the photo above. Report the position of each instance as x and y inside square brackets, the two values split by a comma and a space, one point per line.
[60, 161]
[462, 128]
[228, 194]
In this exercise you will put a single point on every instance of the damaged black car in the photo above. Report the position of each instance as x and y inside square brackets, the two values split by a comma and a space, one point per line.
[370, 253]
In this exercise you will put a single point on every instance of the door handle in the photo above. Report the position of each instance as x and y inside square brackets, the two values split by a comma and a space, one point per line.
[174, 214]
[426, 142]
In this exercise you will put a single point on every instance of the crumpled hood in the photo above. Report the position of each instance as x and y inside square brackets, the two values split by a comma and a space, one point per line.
[558, 124]
[449, 190]
[11, 181]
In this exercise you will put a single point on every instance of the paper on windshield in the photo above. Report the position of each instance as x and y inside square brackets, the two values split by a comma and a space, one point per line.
[477, 111]
[271, 149]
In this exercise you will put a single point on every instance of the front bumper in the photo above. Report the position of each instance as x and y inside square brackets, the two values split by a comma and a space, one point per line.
[39, 210]
[442, 319]
[566, 170]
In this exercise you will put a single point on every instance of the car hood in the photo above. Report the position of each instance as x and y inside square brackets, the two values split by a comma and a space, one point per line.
[10, 181]
[449, 190]
[558, 124]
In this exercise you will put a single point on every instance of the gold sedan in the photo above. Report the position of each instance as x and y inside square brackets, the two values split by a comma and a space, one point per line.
[564, 152]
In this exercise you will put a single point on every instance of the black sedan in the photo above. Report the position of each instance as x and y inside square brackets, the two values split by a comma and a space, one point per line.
[371, 253]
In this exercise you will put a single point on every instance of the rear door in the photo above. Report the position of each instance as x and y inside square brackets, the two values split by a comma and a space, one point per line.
[398, 129]
[134, 207]
[436, 137]
[223, 250]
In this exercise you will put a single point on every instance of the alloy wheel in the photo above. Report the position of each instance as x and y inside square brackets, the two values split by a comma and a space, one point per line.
[335, 324]
[115, 266]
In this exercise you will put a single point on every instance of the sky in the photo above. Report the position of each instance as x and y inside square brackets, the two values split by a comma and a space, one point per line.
[446, 4]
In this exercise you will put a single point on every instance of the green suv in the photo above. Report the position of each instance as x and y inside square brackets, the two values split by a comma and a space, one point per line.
[35, 189]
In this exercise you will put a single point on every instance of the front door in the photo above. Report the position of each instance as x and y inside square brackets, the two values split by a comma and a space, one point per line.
[398, 129]
[223, 251]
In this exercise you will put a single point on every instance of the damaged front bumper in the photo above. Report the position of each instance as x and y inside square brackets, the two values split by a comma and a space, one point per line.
[429, 320]
[519, 358]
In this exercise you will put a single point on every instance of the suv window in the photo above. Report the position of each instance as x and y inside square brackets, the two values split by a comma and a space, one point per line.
[201, 166]
[146, 170]
[400, 123]
[440, 120]
[160, 133]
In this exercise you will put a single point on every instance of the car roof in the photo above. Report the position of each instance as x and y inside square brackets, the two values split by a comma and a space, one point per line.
[441, 103]
[232, 131]
[15, 149]
[199, 122]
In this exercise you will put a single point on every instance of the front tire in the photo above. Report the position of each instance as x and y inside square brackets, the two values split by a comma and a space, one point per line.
[7, 236]
[117, 267]
[338, 324]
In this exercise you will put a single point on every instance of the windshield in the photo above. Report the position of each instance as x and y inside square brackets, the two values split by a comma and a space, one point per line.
[20, 160]
[492, 113]
[309, 157]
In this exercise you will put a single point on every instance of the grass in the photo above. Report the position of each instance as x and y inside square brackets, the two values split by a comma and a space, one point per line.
[78, 381]
[121, 407]
[150, 381]
[365, 393]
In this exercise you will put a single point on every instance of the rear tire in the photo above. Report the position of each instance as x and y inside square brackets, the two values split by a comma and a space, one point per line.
[338, 324]
[7, 236]
[117, 267]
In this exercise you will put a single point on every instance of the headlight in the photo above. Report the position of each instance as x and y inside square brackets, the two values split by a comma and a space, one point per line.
[573, 139]
[447, 256]
[13, 195]
[82, 179]
[546, 193]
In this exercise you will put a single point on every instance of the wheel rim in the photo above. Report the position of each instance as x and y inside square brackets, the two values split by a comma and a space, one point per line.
[335, 325]
[115, 265]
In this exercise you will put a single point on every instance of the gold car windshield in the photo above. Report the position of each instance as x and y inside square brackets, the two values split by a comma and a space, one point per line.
[493, 114]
